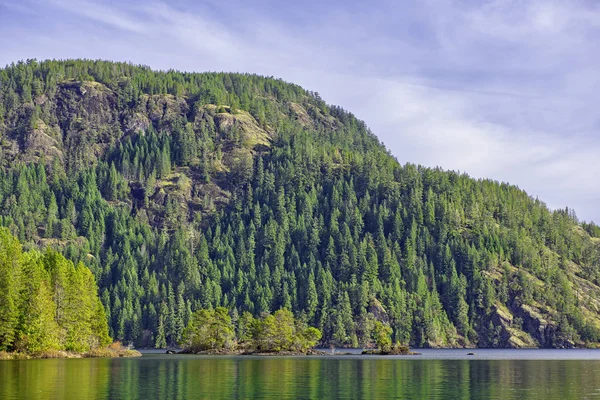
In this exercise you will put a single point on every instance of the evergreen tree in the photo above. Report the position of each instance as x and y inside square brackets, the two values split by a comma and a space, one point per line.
[196, 191]
[10, 287]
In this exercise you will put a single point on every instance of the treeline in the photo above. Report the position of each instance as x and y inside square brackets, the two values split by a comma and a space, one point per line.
[183, 214]
[215, 329]
[21, 83]
[47, 303]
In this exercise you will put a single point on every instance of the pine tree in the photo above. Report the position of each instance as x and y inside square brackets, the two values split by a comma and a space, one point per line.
[10, 287]
[161, 339]
[38, 330]
[312, 300]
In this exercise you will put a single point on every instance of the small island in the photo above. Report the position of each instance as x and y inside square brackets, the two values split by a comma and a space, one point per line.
[212, 331]
[383, 339]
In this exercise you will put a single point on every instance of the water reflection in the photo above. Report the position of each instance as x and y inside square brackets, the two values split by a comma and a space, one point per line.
[181, 377]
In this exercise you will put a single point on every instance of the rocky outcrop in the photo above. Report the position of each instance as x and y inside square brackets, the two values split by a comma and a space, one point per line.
[545, 331]
[523, 326]
[509, 332]
[378, 311]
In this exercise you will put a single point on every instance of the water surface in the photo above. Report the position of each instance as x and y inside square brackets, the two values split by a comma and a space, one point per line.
[442, 374]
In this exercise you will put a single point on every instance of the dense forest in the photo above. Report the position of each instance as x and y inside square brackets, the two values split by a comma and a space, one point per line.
[189, 191]
[47, 303]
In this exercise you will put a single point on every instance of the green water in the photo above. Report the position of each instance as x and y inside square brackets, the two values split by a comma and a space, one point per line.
[189, 377]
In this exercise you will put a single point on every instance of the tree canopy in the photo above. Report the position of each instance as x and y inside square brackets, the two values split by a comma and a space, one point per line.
[214, 329]
[185, 191]
[47, 303]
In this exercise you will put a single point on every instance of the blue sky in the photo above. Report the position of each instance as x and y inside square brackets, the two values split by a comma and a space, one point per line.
[505, 89]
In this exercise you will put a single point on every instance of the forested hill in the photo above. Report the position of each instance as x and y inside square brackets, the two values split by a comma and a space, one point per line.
[184, 191]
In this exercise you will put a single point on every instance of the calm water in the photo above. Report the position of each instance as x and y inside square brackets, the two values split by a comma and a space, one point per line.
[448, 374]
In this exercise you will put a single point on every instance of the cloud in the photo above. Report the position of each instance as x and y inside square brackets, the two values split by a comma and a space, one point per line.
[500, 88]
[434, 127]
[97, 12]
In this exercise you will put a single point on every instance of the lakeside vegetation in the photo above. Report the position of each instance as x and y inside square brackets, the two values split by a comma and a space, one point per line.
[49, 307]
[213, 330]
[186, 191]
[114, 350]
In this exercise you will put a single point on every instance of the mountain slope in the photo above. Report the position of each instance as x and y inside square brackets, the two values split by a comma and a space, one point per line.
[185, 191]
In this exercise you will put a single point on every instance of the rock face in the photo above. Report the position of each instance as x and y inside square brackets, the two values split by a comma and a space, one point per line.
[82, 120]
[511, 335]
[87, 117]
[378, 311]
[523, 326]
[546, 331]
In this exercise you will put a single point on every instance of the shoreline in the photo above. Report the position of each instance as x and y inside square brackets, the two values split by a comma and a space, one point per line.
[538, 354]
[59, 354]
[242, 352]
[424, 353]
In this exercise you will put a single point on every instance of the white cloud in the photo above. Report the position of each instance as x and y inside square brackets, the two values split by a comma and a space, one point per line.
[103, 14]
[503, 88]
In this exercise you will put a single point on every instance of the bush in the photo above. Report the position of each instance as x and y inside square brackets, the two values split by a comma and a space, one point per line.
[383, 337]
[213, 330]
[208, 330]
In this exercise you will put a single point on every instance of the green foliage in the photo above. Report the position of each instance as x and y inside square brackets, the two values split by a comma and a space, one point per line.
[38, 329]
[213, 330]
[151, 182]
[47, 303]
[282, 332]
[10, 285]
[208, 330]
[246, 324]
[275, 332]
[592, 229]
[161, 339]
[382, 334]
[308, 338]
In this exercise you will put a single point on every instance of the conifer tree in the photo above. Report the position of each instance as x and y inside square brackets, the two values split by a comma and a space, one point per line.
[10, 287]
[38, 330]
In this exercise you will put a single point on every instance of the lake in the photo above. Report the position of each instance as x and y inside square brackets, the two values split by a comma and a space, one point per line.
[442, 374]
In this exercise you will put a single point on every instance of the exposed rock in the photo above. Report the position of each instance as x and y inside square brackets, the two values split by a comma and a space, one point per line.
[377, 309]
[300, 114]
[511, 335]
[136, 123]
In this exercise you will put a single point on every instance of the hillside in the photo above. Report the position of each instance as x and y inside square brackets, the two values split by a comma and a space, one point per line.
[184, 191]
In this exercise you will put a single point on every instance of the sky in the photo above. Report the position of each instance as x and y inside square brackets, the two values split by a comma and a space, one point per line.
[500, 89]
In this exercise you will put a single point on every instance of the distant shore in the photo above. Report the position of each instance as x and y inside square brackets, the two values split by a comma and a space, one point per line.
[242, 352]
[311, 352]
[453, 351]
